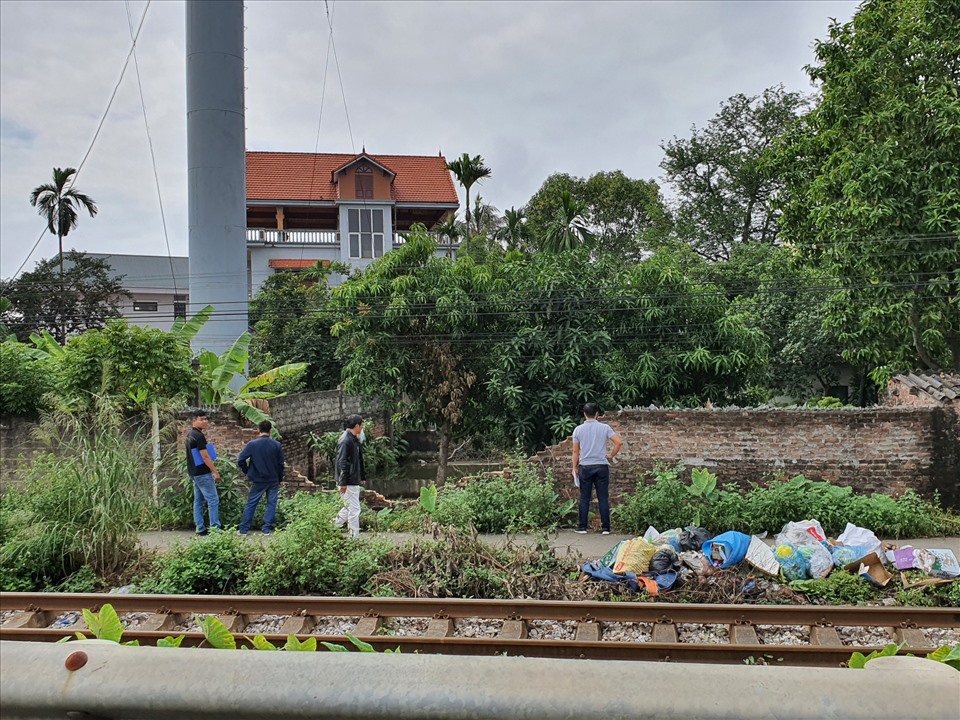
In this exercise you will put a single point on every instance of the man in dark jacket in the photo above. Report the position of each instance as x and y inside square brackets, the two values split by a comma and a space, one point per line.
[350, 474]
[261, 461]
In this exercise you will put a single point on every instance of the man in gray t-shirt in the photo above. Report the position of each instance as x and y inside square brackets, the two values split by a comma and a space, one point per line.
[591, 465]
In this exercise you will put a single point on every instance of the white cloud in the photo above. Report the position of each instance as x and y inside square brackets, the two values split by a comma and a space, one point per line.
[533, 87]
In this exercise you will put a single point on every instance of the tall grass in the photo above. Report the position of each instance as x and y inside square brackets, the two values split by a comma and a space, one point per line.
[81, 506]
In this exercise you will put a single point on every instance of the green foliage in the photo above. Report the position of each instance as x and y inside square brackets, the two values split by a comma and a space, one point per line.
[139, 365]
[703, 488]
[660, 504]
[668, 503]
[217, 564]
[381, 455]
[216, 633]
[82, 507]
[291, 319]
[311, 556]
[428, 498]
[839, 588]
[872, 184]
[105, 625]
[24, 379]
[945, 654]
[724, 199]
[494, 504]
[218, 372]
[88, 295]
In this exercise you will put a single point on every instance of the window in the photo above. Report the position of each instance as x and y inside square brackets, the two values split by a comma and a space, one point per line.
[365, 228]
[364, 177]
[180, 310]
[364, 187]
[141, 306]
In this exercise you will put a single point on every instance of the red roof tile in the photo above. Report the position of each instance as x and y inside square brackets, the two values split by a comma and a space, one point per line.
[309, 176]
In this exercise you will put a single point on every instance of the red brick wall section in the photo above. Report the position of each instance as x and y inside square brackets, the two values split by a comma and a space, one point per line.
[884, 450]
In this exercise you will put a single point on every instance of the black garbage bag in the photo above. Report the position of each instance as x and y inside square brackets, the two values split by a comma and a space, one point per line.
[665, 560]
[693, 538]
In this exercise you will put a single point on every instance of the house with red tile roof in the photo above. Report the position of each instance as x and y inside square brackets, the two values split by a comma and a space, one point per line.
[305, 207]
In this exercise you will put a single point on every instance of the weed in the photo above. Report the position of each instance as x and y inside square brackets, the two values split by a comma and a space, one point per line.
[215, 565]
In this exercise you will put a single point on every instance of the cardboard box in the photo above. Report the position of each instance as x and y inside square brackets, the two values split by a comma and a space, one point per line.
[870, 569]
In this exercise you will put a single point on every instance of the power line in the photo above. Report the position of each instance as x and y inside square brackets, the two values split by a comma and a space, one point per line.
[103, 119]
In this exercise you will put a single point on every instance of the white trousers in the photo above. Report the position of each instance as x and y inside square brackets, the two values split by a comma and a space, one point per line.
[350, 512]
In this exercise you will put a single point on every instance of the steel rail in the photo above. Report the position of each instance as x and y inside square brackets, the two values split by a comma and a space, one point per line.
[33, 614]
[456, 608]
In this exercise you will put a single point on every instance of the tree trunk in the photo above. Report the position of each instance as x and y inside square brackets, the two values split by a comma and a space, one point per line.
[62, 324]
[918, 340]
[444, 452]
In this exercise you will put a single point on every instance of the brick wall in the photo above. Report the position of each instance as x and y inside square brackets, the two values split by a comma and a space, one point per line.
[883, 450]
[16, 441]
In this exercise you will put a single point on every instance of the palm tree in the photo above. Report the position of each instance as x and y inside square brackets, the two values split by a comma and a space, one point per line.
[468, 171]
[568, 227]
[514, 231]
[59, 202]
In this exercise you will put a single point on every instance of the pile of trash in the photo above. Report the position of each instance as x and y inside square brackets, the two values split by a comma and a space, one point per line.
[661, 561]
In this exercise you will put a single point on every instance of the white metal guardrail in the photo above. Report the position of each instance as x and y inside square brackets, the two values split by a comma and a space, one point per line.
[99, 679]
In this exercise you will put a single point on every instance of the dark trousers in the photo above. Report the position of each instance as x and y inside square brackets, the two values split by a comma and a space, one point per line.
[594, 476]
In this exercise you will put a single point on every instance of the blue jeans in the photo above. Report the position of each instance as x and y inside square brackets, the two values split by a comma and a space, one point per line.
[205, 491]
[594, 476]
[272, 489]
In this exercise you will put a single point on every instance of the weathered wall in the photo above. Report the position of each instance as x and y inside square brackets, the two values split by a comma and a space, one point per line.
[16, 441]
[883, 450]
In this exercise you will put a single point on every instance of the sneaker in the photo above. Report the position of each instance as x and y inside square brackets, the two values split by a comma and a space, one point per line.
[581, 532]
[203, 533]
[605, 532]
[241, 532]
[268, 532]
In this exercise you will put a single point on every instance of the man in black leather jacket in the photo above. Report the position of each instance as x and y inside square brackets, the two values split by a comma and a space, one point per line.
[350, 474]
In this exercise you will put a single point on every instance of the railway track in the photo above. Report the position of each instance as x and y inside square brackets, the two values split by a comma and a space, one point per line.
[743, 633]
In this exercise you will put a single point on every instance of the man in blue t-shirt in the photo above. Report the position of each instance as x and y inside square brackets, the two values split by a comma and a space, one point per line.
[591, 465]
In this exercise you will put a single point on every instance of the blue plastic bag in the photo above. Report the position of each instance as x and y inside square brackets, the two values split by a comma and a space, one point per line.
[791, 562]
[733, 548]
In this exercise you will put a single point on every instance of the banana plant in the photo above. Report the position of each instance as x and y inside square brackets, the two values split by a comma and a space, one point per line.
[219, 372]
[186, 330]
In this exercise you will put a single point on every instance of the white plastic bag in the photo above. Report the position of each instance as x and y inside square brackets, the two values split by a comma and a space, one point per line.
[804, 532]
[858, 536]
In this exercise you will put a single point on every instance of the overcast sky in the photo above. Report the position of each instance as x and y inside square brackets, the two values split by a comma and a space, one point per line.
[533, 87]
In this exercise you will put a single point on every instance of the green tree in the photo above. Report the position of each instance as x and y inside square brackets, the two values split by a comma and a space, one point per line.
[873, 181]
[58, 202]
[468, 170]
[291, 319]
[407, 334]
[724, 196]
[137, 365]
[578, 328]
[24, 378]
[514, 232]
[624, 215]
[85, 296]
[568, 228]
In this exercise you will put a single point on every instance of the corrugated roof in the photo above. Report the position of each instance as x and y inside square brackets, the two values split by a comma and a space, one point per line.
[309, 176]
[149, 272]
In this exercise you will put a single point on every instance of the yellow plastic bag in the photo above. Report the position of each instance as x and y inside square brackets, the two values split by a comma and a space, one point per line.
[634, 556]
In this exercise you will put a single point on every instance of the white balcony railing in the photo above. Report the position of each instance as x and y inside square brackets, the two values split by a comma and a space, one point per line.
[292, 237]
[262, 236]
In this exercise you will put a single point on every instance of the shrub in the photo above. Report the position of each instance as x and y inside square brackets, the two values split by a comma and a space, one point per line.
[661, 504]
[214, 565]
[24, 380]
[494, 504]
[839, 588]
[311, 556]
